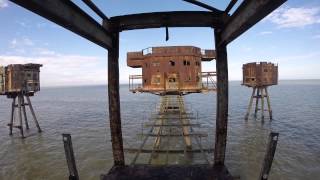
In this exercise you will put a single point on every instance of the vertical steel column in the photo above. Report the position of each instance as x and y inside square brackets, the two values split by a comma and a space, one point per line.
[20, 96]
[12, 114]
[257, 102]
[268, 101]
[262, 103]
[250, 104]
[222, 100]
[24, 112]
[271, 149]
[114, 101]
[71, 162]
[33, 114]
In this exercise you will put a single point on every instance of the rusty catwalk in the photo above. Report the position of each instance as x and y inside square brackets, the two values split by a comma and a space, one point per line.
[173, 136]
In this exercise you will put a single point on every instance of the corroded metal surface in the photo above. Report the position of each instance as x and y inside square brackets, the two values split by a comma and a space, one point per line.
[172, 172]
[20, 78]
[260, 74]
[172, 137]
[171, 70]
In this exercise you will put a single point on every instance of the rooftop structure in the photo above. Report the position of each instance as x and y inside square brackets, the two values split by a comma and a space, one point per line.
[171, 70]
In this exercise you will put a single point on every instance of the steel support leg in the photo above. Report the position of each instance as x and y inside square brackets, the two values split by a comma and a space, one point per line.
[25, 113]
[257, 103]
[12, 115]
[269, 104]
[20, 115]
[250, 104]
[33, 114]
[262, 104]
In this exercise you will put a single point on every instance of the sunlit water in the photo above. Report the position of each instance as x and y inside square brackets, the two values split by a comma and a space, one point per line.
[82, 112]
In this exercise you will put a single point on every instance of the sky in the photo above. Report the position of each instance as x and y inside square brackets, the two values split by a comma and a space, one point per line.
[290, 37]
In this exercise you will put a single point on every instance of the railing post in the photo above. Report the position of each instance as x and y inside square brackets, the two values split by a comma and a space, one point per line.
[271, 149]
[114, 101]
[68, 149]
[222, 100]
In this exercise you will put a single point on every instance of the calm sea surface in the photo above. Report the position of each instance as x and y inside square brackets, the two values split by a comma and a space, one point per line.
[82, 112]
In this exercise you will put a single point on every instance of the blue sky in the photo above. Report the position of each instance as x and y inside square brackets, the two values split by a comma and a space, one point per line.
[290, 37]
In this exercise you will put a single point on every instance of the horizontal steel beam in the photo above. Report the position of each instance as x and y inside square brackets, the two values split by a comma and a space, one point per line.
[68, 15]
[173, 125]
[174, 135]
[247, 14]
[171, 151]
[167, 19]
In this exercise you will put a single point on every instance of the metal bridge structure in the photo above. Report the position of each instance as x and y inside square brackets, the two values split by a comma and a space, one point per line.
[173, 136]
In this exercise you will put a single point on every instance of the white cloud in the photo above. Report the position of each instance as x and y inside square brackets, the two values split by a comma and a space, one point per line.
[300, 58]
[21, 45]
[265, 32]
[62, 69]
[20, 42]
[3, 3]
[41, 25]
[23, 24]
[288, 17]
[13, 43]
[58, 69]
[43, 51]
[316, 36]
[246, 48]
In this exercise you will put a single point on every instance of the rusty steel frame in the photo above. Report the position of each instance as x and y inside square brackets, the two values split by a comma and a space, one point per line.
[246, 15]
[68, 15]
[21, 112]
[227, 28]
[167, 19]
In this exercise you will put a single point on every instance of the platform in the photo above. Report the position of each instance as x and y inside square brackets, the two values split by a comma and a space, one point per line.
[170, 172]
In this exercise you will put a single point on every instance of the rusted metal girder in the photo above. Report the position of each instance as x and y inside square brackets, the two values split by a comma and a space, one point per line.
[114, 102]
[167, 19]
[222, 100]
[94, 8]
[230, 6]
[71, 161]
[203, 5]
[271, 150]
[247, 14]
[68, 15]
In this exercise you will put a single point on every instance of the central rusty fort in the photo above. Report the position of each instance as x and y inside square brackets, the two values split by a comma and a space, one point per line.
[171, 70]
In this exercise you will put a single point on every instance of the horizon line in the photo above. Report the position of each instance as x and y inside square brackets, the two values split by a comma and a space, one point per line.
[81, 85]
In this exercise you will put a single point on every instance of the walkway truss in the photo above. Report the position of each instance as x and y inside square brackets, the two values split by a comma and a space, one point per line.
[173, 136]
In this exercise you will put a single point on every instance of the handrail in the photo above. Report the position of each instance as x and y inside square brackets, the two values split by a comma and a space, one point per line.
[133, 87]
[209, 84]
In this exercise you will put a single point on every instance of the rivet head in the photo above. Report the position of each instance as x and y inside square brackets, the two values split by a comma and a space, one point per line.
[275, 138]
[265, 176]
